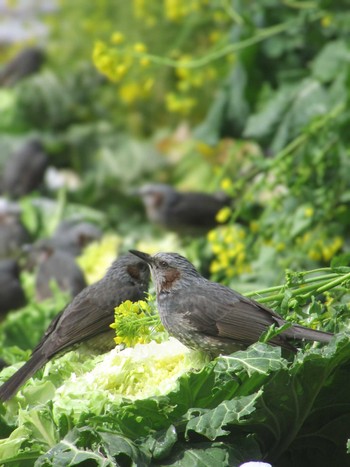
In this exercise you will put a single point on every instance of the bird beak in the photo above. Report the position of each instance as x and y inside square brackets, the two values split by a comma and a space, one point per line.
[146, 257]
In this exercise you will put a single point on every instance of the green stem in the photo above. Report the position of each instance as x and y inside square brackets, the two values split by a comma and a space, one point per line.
[307, 281]
[227, 6]
[264, 291]
[320, 278]
[279, 297]
[331, 285]
[312, 271]
[260, 36]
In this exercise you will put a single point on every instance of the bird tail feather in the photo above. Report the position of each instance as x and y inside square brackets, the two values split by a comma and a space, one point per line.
[301, 332]
[11, 386]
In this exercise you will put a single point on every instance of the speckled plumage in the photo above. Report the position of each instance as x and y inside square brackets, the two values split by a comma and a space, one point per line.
[87, 317]
[212, 317]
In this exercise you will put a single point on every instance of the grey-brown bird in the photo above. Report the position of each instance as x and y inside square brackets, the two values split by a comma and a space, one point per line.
[24, 169]
[12, 295]
[73, 235]
[211, 317]
[25, 63]
[13, 234]
[54, 265]
[183, 212]
[87, 317]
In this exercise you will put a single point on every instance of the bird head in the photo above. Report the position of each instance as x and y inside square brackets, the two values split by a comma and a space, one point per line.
[129, 269]
[169, 270]
[154, 196]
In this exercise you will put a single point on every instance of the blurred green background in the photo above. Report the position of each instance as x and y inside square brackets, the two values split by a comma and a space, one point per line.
[246, 97]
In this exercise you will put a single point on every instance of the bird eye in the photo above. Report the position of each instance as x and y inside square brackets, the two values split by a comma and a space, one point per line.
[163, 264]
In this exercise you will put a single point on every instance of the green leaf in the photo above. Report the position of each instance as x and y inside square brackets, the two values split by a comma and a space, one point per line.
[285, 412]
[72, 451]
[210, 454]
[160, 444]
[86, 444]
[118, 446]
[265, 121]
[258, 358]
[333, 58]
[210, 423]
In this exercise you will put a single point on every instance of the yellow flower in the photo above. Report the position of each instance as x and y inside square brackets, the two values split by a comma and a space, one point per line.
[145, 61]
[117, 38]
[215, 267]
[309, 212]
[314, 255]
[216, 248]
[326, 21]
[226, 184]
[280, 246]
[139, 47]
[204, 149]
[99, 49]
[223, 215]
[120, 71]
[130, 92]
[212, 235]
[254, 226]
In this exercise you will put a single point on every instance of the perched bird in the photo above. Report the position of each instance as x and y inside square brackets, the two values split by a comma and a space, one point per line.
[24, 169]
[25, 63]
[183, 212]
[87, 317]
[12, 295]
[74, 235]
[209, 316]
[54, 264]
[13, 233]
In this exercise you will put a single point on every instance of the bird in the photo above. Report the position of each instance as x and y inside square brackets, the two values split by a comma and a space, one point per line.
[73, 235]
[24, 170]
[54, 264]
[182, 212]
[25, 63]
[12, 295]
[86, 318]
[13, 234]
[211, 317]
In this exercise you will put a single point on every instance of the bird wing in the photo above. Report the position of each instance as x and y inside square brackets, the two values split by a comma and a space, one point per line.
[220, 313]
[86, 316]
[196, 209]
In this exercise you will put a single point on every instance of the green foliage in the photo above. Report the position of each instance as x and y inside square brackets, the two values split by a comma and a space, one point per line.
[272, 79]
[248, 399]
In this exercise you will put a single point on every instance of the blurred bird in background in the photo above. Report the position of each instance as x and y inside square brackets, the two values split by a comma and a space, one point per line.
[27, 62]
[73, 235]
[12, 295]
[24, 169]
[13, 234]
[183, 212]
[54, 264]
